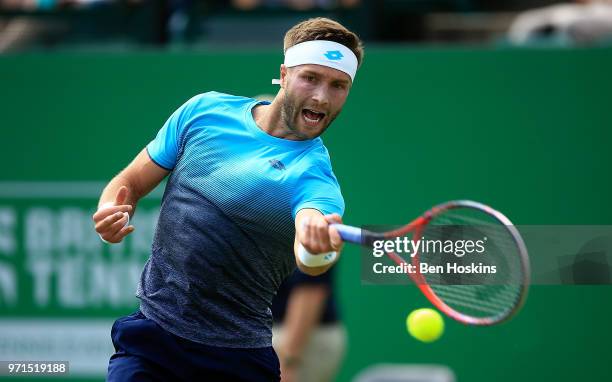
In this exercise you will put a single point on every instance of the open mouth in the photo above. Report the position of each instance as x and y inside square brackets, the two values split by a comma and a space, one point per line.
[312, 117]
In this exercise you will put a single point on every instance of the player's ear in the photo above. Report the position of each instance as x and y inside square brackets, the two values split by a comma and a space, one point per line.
[283, 75]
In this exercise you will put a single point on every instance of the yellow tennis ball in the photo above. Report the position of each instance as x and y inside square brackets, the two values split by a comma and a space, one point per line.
[425, 324]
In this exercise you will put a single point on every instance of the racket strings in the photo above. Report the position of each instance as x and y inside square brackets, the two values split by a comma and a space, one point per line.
[466, 299]
[478, 301]
[483, 293]
[497, 231]
[502, 293]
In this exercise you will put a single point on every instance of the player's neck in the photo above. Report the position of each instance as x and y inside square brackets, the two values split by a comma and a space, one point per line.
[269, 119]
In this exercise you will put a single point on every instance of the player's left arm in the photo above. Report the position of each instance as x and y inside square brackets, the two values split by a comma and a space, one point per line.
[313, 231]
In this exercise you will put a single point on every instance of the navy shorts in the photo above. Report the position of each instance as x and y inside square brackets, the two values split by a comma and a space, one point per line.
[146, 352]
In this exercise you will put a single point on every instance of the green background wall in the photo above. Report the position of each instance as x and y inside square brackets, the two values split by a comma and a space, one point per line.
[526, 131]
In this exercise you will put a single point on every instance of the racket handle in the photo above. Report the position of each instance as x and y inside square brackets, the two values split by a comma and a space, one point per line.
[349, 233]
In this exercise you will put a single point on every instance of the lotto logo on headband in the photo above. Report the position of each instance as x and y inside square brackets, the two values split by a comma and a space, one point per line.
[333, 55]
[322, 52]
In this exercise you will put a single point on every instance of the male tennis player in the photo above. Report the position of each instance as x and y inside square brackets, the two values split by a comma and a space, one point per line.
[251, 193]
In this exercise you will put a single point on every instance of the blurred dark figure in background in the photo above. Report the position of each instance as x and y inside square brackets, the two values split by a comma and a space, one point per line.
[308, 336]
[23, 30]
[178, 19]
[584, 22]
[26, 24]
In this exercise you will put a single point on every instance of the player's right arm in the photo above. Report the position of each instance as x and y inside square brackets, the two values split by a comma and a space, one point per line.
[313, 232]
[122, 194]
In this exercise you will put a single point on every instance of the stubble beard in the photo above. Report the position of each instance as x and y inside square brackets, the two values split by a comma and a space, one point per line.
[289, 114]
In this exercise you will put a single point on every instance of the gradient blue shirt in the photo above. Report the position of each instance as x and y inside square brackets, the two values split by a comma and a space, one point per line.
[224, 240]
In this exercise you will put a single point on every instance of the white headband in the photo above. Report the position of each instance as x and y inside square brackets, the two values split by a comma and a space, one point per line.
[322, 52]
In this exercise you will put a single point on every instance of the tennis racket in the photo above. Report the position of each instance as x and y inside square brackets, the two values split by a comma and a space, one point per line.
[471, 298]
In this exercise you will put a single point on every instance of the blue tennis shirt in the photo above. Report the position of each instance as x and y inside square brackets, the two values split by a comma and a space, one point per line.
[224, 239]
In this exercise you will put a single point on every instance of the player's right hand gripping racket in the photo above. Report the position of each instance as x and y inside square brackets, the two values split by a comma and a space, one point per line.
[472, 298]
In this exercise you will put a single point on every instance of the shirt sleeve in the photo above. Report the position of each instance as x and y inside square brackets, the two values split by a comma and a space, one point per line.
[164, 149]
[318, 189]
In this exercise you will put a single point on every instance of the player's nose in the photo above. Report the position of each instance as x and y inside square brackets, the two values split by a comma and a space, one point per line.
[321, 96]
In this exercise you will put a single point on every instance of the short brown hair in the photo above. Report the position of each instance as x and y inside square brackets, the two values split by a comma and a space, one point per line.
[321, 28]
